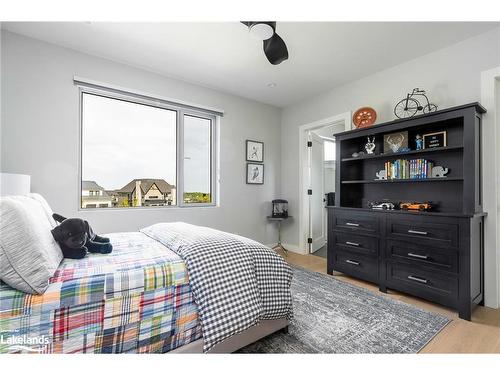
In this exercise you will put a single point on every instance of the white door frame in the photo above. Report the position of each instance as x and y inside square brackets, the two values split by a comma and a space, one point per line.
[491, 185]
[303, 182]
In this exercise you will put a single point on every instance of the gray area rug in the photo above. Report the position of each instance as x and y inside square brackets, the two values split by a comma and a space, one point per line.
[332, 316]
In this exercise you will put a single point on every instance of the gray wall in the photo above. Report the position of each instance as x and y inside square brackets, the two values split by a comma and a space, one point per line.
[40, 137]
[451, 76]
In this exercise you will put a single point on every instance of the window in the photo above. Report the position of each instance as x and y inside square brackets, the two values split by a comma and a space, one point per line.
[197, 160]
[329, 149]
[134, 147]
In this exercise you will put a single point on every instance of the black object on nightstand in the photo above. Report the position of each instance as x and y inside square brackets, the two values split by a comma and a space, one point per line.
[436, 255]
[279, 220]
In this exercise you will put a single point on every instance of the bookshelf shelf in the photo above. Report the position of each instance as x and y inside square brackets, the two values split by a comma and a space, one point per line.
[403, 180]
[397, 154]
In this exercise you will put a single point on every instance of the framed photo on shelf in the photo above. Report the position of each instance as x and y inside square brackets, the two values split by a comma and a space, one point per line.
[255, 174]
[394, 142]
[432, 140]
[255, 151]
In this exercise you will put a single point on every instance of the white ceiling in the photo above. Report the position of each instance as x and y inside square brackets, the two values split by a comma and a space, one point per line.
[225, 57]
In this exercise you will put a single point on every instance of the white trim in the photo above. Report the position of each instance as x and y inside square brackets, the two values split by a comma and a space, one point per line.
[294, 248]
[331, 139]
[491, 186]
[89, 83]
[345, 117]
[290, 247]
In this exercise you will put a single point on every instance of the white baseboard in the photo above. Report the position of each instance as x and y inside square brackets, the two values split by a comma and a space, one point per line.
[293, 248]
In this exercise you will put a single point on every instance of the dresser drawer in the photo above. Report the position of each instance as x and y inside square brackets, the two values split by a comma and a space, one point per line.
[444, 259]
[420, 230]
[359, 222]
[351, 242]
[356, 265]
[434, 286]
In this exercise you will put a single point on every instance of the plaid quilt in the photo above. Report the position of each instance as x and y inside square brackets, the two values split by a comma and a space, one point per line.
[135, 300]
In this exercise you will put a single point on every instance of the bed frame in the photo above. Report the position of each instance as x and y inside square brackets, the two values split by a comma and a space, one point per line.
[238, 341]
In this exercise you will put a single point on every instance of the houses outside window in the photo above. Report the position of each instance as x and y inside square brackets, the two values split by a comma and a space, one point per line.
[92, 197]
[139, 153]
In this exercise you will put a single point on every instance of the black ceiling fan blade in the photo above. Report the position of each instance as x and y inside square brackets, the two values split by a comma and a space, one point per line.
[275, 49]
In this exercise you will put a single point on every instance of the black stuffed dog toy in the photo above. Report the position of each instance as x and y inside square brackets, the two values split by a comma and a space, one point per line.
[76, 238]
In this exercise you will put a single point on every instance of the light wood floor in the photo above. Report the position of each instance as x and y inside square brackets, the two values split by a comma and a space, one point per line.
[481, 335]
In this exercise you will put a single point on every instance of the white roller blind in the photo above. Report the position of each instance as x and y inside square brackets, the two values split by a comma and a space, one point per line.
[94, 85]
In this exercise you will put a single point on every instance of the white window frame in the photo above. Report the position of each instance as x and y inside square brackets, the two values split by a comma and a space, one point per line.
[180, 110]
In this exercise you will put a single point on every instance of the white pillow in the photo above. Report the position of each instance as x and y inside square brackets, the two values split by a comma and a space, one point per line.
[29, 255]
[46, 208]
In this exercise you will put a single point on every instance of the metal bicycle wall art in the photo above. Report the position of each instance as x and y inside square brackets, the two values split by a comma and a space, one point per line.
[409, 106]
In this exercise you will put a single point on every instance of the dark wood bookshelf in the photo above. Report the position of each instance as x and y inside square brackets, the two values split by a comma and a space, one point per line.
[357, 183]
[438, 254]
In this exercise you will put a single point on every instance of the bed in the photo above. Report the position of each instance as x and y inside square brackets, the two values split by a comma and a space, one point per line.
[150, 295]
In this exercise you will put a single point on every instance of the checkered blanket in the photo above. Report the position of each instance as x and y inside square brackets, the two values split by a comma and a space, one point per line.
[135, 300]
[236, 282]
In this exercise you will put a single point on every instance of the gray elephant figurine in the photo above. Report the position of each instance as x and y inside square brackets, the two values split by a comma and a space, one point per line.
[439, 172]
[381, 175]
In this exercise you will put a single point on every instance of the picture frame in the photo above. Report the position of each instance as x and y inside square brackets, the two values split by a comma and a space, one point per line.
[433, 140]
[395, 142]
[255, 174]
[254, 151]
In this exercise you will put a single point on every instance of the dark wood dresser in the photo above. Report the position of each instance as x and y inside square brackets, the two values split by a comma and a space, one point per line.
[436, 255]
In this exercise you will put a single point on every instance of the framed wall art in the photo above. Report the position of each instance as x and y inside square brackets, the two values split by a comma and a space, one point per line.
[255, 174]
[255, 151]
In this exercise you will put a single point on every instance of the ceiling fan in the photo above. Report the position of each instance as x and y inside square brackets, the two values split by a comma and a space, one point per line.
[274, 47]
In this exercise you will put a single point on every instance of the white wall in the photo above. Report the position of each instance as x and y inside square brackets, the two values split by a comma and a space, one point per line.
[497, 112]
[451, 76]
[490, 98]
[497, 124]
[40, 137]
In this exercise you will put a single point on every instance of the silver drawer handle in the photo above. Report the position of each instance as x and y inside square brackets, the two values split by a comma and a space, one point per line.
[352, 224]
[418, 256]
[417, 232]
[352, 262]
[418, 279]
[352, 243]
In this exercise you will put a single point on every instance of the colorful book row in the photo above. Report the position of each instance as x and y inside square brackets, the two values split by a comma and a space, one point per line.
[402, 169]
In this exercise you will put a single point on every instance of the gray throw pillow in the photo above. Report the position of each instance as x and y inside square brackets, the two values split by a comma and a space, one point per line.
[29, 255]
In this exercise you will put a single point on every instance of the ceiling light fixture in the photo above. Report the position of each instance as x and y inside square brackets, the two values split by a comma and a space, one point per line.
[272, 84]
[261, 30]
[274, 47]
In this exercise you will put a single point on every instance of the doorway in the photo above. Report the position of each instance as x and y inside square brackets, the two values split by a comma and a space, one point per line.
[317, 175]
[317, 210]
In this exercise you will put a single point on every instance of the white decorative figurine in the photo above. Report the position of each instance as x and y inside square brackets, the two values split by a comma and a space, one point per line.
[370, 145]
[382, 175]
[439, 172]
